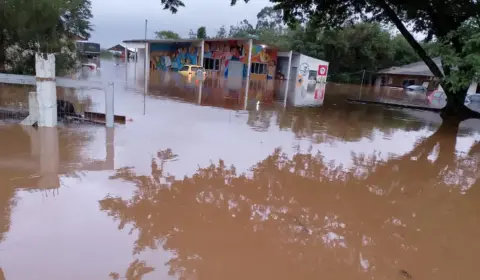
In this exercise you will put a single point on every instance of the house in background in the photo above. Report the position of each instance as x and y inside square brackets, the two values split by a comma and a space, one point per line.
[416, 73]
[236, 67]
[120, 51]
[411, 74]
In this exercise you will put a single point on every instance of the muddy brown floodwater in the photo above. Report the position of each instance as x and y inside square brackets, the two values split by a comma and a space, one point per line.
[336, 191]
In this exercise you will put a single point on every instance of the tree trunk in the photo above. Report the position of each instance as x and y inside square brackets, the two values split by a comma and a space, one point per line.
[408, 36]
[456, 107]
[2, 52]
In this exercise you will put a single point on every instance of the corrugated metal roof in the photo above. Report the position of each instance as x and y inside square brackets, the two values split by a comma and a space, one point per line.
[413, 69]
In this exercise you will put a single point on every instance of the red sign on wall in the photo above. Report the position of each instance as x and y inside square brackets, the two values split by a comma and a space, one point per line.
[322, 70]
[322, 93]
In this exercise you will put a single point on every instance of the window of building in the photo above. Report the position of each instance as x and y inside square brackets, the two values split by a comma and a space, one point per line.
[259, 68]
[211, 64]
[478, 88]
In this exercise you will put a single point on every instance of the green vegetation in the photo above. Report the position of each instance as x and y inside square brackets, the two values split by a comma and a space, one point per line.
[166, 34]
[41, 25]
[202, 32]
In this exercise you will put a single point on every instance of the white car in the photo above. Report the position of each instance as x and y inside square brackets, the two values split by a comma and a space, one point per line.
[472, 98]
[416, 88]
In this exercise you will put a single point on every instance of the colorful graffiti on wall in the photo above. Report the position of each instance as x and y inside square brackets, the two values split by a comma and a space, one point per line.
[167, 56]
[263, 55]
[225, 52]
[172, 56]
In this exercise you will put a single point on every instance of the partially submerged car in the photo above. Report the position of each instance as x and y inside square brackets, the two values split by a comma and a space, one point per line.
[416, 88]
[472, 98]
[440, 95]
[192, 70]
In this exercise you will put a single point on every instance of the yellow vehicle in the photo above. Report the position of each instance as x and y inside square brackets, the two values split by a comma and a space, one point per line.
[192, 70]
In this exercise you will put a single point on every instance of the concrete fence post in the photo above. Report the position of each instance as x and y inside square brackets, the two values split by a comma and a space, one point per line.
[109, 105]
[32, 109]
[46, 89]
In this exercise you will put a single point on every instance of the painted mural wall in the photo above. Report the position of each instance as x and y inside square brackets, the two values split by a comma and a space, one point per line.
[263, 55]
[236, 51]
[168, 56]
[173, 56]
[224, 52]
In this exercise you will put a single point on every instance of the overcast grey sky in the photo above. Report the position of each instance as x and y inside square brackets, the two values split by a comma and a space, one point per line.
[118, 20]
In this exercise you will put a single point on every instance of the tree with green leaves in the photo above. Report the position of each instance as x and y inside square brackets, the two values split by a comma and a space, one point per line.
[166, 34]
[41, 26]
[244, 29]
[221, 32]
[202, 32]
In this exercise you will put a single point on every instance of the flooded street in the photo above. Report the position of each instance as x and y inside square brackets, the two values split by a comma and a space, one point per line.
[196, 187]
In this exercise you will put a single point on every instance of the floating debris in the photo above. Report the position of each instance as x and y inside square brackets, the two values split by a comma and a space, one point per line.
[405, 274]
[302, 225]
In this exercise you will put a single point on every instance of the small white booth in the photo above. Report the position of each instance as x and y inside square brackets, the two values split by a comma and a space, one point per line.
[306, 78]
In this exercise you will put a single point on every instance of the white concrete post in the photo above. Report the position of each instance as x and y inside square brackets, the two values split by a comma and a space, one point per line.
[135, 69]
[32, 109]
[126, 63]
[109, 105]
[288, 78]
[249, 63]
[46, 89]
[147, 65]
[200, 88]
[202, 51]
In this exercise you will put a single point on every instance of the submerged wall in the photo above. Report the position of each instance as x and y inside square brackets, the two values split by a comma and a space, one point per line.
[173, 56]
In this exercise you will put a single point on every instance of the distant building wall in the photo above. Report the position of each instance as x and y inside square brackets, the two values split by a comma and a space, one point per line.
[402, 80]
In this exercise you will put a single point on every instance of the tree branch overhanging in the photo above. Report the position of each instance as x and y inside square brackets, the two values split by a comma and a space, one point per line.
[390, 13]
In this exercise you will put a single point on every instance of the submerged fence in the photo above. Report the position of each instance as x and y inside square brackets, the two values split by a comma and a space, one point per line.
[77, 101]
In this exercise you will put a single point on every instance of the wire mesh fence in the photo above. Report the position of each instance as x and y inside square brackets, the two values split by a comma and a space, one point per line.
[14, 102]
[84, 105]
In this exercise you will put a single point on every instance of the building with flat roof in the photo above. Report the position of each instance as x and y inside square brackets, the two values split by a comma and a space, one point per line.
[234, 67]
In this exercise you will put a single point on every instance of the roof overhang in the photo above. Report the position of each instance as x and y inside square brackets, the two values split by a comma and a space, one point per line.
[140, 43]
